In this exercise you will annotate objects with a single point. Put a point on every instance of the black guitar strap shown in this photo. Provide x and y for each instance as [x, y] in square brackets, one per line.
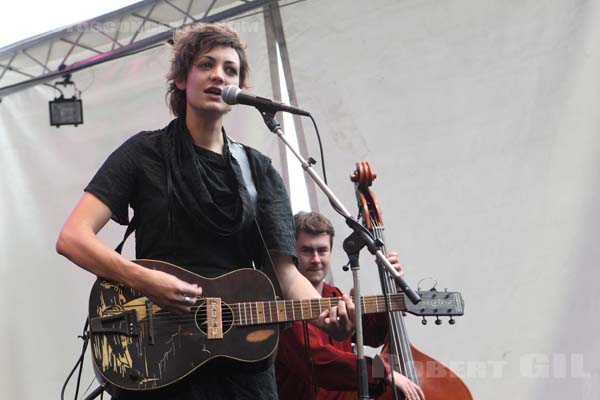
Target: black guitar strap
[239, 153]
[130, 228]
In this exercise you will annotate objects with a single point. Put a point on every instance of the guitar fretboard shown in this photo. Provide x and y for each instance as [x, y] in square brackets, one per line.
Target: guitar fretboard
[266, 312]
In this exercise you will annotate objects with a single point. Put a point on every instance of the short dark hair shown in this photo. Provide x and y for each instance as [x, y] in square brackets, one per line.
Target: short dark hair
[187, 44]
[313, 223]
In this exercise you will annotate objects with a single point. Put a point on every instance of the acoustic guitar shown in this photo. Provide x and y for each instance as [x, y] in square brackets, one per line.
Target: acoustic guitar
[136, 345]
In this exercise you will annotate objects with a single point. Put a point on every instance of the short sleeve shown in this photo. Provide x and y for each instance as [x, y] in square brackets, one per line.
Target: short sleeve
[274, 210]
[114, 183]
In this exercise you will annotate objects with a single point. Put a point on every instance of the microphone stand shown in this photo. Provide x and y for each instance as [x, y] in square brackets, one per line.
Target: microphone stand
[359, 238]
[352, 246]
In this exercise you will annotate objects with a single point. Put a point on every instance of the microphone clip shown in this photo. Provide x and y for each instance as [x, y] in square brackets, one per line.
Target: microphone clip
[270, 121]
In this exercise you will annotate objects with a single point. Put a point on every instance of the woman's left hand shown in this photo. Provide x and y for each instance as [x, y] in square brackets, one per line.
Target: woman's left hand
[338, 321]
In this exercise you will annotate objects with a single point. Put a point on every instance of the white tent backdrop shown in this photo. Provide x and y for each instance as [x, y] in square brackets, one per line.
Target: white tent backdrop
[479, 118]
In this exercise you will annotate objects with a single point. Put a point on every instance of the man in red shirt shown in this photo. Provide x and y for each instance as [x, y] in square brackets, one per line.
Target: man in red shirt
[328, 370]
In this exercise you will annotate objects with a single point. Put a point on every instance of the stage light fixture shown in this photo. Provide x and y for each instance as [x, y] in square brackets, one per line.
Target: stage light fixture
[66, 111]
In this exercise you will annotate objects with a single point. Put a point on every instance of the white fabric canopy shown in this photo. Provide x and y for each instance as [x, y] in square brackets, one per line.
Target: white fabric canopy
[479, 118]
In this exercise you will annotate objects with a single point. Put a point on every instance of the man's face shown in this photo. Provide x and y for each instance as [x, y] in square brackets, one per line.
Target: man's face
[314, 255]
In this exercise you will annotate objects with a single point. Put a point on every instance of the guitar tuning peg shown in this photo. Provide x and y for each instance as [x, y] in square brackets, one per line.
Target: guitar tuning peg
[438, 321]
[452, 321]
[424, 321]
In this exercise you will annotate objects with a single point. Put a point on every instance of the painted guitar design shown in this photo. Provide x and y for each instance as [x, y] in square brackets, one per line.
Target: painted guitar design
[138, 346]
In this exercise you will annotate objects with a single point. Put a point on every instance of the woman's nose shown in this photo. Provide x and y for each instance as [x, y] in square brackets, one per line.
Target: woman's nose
[217, 74]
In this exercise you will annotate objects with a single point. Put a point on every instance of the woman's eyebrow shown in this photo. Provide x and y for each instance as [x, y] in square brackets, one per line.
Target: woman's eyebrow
[211, 58]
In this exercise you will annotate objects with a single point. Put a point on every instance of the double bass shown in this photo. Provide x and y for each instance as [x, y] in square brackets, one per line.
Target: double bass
[437, 381]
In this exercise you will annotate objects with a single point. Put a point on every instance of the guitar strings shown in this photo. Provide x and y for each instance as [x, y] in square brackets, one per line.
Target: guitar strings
[377, 303]
[163, 324]
[294, 309]
[373, 301]
[227, 316]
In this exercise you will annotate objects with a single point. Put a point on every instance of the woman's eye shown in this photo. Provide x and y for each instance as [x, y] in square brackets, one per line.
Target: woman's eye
[232, 71]
[204, 65]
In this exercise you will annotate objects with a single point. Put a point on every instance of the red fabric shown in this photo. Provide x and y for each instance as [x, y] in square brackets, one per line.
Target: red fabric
[334, 363]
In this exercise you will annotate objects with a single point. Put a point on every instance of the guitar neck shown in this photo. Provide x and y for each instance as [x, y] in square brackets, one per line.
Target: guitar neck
[268, 312]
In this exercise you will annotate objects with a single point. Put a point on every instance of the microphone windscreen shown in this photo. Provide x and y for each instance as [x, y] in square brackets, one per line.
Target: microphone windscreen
[229, 94]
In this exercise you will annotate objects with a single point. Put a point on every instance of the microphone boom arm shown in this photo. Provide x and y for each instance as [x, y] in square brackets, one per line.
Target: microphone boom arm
[273, 125]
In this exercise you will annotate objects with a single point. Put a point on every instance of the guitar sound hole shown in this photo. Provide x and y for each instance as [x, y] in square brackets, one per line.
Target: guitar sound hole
[226, 316]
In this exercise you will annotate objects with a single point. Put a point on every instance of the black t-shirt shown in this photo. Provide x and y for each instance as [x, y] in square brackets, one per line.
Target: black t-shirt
[135, 175]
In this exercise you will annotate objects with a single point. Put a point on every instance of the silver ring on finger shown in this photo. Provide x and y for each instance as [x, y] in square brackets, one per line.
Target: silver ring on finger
[187, 299]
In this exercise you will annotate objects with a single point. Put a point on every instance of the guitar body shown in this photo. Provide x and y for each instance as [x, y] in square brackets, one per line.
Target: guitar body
[138, 346]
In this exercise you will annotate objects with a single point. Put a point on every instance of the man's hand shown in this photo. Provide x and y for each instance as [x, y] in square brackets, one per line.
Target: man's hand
[392, 257]
[411, 390]
[338, 322]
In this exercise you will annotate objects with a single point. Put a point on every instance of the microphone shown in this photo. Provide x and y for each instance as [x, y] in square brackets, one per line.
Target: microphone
[232, 95]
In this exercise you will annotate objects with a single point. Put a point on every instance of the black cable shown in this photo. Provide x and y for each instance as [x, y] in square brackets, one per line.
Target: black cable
[55, 88]
[322, 155]
[84, 348]
[320, 149]
[309, 360]
[79, 363]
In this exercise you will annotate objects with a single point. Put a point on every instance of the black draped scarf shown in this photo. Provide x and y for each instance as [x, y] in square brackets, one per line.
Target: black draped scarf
[191, 182]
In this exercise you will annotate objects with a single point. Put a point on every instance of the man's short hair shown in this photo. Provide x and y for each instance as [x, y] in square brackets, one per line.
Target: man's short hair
[187, 44]
[313, 223]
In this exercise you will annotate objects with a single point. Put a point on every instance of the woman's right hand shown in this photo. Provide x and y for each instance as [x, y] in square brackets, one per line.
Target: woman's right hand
[167, 291]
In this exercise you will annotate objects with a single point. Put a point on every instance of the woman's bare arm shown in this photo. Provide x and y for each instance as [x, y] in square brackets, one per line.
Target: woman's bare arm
[79, 243]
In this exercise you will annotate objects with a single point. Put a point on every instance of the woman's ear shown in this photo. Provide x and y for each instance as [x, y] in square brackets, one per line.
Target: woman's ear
[180, 84]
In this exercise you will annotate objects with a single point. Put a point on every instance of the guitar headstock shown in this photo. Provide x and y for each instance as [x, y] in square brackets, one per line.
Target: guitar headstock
[436, 304]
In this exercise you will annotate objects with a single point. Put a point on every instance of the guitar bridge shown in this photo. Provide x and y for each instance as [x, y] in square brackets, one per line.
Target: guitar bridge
[123, 323]
[214, 321]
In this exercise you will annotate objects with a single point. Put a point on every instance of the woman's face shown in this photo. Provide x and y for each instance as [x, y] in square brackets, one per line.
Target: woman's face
[210, 72]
